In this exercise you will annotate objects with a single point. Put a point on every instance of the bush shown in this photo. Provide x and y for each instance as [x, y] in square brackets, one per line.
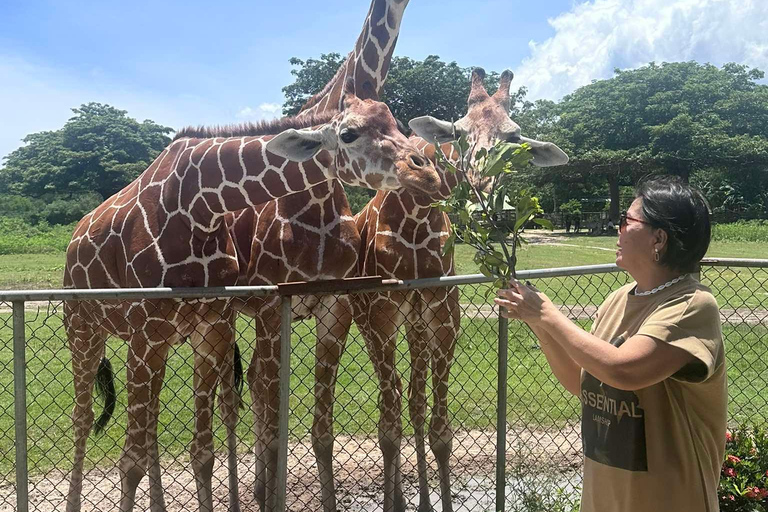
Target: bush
[741, 231]
[744, 478]
[52, 210]
[20, 237]
[572, 207]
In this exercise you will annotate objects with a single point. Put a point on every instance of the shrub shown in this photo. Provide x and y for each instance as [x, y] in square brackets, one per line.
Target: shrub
[741, 231]
[20, 237]
[744, 478]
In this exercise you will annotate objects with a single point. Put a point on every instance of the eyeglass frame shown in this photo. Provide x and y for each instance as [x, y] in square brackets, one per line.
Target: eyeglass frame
[624, 217]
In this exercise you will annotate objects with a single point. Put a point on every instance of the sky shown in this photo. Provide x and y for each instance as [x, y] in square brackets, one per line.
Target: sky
[189, 62]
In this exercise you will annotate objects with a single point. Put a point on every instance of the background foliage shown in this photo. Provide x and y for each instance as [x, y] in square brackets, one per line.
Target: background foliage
[705, 123]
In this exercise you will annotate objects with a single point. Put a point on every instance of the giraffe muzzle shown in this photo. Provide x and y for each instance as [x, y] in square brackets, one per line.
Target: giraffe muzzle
[419, 175]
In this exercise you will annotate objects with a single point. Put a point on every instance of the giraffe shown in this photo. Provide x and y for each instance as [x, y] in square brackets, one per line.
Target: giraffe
[167, 229]
[305, 237]
[402, 238]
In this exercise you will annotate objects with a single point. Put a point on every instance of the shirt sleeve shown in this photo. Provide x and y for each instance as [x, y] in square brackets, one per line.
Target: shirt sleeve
[691, 323]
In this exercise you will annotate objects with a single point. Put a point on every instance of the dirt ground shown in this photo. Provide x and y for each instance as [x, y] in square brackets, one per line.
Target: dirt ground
[358, 475]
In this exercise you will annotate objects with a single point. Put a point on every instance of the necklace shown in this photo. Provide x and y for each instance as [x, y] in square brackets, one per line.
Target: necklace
[659, 288]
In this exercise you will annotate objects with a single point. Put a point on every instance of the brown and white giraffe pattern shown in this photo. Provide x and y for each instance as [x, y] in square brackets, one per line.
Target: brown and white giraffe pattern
[166, 229]
[306, 237]
[403, 238]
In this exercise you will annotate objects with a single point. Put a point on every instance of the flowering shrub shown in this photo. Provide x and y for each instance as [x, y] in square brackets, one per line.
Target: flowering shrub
[744, 478]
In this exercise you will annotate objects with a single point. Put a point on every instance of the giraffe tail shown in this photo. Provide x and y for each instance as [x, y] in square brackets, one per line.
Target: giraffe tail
[105, 386]
[239, 374]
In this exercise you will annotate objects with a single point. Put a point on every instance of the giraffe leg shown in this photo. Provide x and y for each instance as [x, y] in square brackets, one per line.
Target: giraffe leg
[87, 349]
[211, 349]
[264, 384]
[377, 324]
[229, 402]
[156, 495]
[444, 321]
[334, 319]
[417, 405]
[146, 367]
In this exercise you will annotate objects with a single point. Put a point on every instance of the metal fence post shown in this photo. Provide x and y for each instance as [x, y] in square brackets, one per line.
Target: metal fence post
[501, 415]
[20, 406]
[285, 392]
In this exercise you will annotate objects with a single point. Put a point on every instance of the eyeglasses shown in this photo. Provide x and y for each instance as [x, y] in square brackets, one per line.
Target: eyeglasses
[624, 219]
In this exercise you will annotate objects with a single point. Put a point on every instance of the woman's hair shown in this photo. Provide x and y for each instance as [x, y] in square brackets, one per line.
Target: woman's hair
[682, 211]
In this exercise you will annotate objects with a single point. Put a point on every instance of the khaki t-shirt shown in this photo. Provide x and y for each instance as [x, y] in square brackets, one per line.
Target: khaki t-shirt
[659, 448]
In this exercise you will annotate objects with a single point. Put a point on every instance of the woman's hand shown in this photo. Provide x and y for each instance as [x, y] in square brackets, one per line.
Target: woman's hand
[522, 302]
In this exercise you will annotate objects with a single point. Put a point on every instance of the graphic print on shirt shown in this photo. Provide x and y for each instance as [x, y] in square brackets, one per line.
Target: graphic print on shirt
[612, 424]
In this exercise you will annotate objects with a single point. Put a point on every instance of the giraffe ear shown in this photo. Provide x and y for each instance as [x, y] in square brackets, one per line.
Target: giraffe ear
[301, 145]
[433, 129]
[545, 154]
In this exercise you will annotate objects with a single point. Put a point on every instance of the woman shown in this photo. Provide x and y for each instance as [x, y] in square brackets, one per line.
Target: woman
[651, 374]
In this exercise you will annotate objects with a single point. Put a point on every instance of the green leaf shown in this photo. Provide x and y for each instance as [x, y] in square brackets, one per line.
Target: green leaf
[545, 223]
[449, 244]
[521, 222]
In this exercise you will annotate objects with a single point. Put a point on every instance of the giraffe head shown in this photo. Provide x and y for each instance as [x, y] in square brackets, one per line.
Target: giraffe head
[486, 123]
[367, 148]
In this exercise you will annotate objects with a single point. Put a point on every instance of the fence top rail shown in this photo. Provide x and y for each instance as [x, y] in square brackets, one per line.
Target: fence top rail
[359, 286]
[137, 293]
[734, 262]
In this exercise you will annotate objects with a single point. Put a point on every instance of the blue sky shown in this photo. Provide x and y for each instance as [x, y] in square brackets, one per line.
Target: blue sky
[193, 62]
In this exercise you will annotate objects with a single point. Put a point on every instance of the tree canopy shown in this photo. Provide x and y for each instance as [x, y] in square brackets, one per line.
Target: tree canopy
[413, 88]
[680, 118]
[100, 149]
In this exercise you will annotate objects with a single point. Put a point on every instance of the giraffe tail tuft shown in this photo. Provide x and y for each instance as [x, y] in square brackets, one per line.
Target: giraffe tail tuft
[105, 386]
[238, 377]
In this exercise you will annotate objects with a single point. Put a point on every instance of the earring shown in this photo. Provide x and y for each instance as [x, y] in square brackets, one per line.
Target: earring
[656, 256]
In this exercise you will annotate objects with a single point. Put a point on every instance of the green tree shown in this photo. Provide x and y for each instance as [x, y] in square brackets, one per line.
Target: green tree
[679, 118]
[99, 150]
[413, 88]
[311, 76]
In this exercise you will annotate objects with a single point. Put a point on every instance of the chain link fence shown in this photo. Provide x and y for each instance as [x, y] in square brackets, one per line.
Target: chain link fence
[532, 464]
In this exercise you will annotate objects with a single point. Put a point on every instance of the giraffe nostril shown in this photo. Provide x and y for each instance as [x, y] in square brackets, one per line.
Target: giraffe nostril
[417, 160]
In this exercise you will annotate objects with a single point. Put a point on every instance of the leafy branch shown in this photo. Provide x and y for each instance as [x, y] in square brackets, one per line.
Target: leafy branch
[479, 211]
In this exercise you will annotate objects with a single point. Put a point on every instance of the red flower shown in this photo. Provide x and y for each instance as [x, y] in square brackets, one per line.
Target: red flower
[754, 493]
[730, 472]
[733, 459]
[728, 437]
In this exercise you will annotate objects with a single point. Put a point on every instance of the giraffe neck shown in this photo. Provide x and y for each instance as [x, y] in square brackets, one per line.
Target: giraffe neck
[369, 62]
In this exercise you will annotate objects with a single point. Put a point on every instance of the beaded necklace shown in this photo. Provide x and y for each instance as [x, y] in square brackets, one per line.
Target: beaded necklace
[659, 288]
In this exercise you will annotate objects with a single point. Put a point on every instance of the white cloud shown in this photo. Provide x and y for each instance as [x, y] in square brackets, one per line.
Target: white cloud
[263, 111]
[597, 36]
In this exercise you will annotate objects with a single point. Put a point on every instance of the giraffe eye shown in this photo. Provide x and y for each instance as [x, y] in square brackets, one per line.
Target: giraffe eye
[348, 136]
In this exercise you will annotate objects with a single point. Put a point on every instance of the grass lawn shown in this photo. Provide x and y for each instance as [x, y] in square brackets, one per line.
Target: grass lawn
[31, 271]
[534, 398]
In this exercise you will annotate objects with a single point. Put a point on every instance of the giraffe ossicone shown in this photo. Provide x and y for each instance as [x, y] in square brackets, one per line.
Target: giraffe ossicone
[486, 123]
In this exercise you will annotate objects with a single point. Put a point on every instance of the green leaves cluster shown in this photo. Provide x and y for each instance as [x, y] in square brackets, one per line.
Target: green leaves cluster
[479, 211]
[99, 150]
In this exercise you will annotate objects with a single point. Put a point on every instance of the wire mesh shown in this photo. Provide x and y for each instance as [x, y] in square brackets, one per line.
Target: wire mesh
[543, 448]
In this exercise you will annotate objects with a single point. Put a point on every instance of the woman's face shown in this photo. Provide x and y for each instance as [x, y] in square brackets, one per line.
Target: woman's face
[636, 240]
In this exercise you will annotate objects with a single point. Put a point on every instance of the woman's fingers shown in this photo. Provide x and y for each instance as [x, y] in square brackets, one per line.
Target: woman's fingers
[510, 294]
